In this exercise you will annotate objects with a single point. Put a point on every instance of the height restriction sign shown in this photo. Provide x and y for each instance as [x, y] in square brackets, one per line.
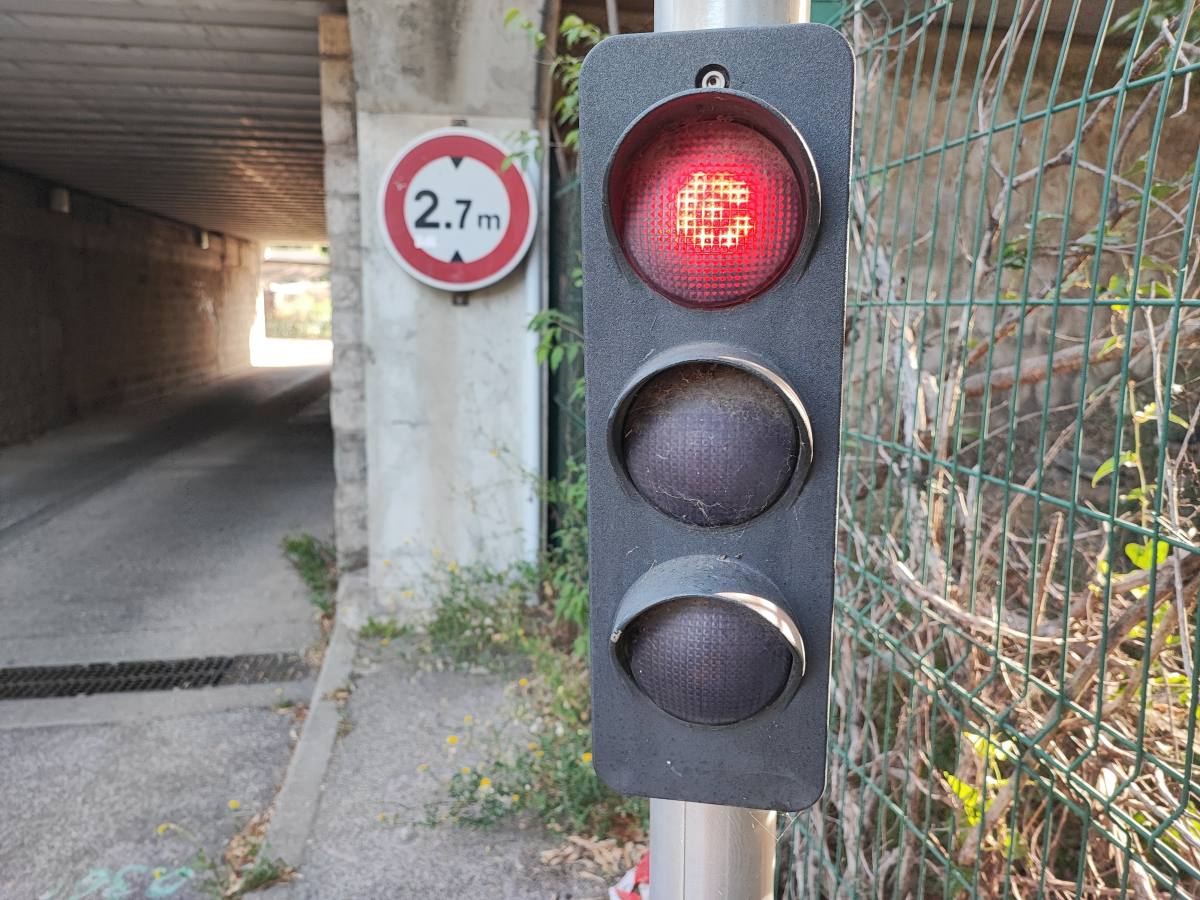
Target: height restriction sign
[454, 215]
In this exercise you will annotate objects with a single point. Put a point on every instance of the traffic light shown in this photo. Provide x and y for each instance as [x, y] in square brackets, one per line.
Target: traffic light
[715, 177]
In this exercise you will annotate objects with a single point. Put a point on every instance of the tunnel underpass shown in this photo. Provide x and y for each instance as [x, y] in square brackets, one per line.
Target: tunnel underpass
[149, 152]
[152, 633]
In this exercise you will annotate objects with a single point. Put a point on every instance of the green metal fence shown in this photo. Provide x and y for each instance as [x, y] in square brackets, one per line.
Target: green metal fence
[1014, 702]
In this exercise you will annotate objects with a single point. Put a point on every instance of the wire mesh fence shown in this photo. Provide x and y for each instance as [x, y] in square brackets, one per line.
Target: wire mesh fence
[1014, 701]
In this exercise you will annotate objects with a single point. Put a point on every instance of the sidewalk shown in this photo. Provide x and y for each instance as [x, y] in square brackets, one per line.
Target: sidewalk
[370, 838]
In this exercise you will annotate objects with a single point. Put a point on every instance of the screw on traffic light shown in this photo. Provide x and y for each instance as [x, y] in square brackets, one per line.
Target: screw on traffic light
[715, 178]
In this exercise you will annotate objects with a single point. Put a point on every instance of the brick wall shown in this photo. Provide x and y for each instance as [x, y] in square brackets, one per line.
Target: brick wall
[108, 305]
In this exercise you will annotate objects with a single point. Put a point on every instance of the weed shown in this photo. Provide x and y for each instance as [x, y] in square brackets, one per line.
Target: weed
[316, 563]
[480, 615]
[384, 629]
[489, 618]
[240, 869]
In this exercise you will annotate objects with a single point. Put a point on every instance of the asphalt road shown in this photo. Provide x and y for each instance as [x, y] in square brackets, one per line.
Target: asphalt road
[154, 533]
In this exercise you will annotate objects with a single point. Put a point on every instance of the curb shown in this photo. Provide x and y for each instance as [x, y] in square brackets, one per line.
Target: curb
[299, 796]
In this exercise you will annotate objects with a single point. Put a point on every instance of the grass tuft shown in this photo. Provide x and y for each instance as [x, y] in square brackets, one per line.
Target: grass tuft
[315, 562]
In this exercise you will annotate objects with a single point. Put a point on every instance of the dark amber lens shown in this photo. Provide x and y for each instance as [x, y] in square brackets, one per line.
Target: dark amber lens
[709, 444]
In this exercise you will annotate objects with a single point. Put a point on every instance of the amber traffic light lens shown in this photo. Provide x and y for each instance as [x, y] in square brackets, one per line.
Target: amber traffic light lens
[709, 443]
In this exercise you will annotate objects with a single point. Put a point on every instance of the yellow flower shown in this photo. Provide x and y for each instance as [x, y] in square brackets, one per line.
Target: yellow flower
[468, 719]
[382, 817]
[485, 782]
[452, 740]
[158, 873]
[531, 745]
[523, 682]
[539, 753]
[515, 798]
[164, 828]
[587, 757]
[466, 770]
[452, 568]
[383, 642]
[423, 767]
[387, 562]
[406, 593]
[234, 805]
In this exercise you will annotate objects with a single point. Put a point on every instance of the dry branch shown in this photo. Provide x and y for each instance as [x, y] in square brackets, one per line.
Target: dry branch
[1037, 368]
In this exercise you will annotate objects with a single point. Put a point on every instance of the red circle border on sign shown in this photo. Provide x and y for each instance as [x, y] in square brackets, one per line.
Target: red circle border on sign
[457, 275]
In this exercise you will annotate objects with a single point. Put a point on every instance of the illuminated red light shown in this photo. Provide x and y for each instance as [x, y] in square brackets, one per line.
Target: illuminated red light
[712, 212]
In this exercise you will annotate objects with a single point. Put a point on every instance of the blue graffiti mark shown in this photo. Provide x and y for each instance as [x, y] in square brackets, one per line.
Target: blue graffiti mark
[102, 884]
[169, 883]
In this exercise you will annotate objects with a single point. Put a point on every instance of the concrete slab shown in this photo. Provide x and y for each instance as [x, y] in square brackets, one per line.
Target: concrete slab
[400, 716]
[99, 709]
[79, 804]
[177, 553]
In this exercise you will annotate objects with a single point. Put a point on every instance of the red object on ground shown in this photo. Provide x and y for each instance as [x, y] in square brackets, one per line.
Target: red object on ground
[635, 884]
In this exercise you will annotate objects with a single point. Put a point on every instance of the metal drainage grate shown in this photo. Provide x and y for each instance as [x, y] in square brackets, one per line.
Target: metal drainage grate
[30, 682]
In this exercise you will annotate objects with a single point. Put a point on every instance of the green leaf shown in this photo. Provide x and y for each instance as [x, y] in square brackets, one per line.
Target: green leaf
[1140, 554]
[1179, 420]
[969, 797]
[1139, 494]
[511, 15]
[1128, 458]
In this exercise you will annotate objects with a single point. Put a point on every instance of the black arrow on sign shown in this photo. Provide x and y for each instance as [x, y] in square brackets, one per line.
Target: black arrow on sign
[456, 160]
[457, 257]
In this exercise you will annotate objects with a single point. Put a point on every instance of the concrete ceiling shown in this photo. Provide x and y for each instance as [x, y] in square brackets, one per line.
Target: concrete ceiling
[204, 111]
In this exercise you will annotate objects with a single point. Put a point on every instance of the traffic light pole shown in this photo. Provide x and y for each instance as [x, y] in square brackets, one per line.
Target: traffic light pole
[698, 850]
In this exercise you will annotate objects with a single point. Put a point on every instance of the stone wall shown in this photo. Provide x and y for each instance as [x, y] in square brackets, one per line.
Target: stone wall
[347, 400]
[105, 305]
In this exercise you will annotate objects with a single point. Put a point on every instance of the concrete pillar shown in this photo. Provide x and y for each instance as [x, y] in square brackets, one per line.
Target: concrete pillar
[451, 391]
[348, 392]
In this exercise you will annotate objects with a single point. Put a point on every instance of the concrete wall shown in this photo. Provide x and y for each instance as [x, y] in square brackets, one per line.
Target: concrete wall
[452, 392]
[108, 305]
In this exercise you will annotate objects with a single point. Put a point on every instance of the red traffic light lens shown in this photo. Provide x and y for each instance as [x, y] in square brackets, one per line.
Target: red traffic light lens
[710, 444]
[707, 206]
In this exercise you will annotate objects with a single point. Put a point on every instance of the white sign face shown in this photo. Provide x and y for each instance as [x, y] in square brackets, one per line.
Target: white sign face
[456, 210]
[454, 214]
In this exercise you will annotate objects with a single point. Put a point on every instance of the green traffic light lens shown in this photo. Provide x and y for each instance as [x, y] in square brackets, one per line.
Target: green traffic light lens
[707, 661]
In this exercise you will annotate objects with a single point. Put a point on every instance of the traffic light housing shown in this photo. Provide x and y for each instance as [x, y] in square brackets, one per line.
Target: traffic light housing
[715, 175]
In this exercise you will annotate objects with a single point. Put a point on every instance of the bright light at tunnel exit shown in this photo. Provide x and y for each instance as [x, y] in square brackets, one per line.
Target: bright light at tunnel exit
[711, 210]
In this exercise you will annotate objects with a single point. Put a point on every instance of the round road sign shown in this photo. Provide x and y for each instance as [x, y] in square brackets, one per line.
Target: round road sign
[454, 216]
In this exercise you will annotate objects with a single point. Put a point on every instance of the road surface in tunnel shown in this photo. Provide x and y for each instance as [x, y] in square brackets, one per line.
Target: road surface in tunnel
[154, 533]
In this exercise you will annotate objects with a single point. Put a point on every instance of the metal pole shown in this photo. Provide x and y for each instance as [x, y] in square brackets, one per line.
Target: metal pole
[689, 15]
[699, 851]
